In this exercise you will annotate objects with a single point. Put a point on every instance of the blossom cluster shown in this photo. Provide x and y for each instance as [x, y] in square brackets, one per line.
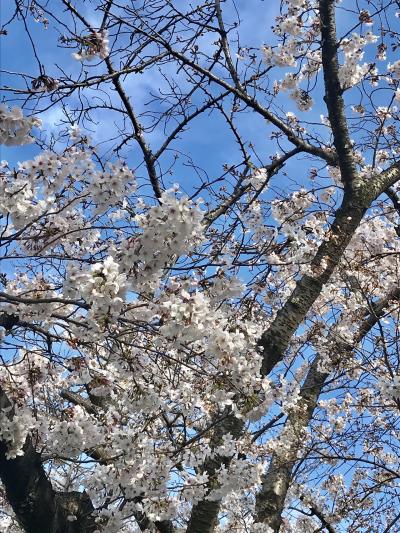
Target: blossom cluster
[140, 323]
[102, 287]
[14, 428]
[166, 232]
[352, 72]
[258, 179]
[93, 45]
[14, 127]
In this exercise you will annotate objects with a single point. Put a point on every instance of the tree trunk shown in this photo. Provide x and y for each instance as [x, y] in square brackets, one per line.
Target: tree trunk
[37, 507]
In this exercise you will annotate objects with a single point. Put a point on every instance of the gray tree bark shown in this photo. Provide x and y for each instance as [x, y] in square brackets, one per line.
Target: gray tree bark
[37, 507]
[271, 498]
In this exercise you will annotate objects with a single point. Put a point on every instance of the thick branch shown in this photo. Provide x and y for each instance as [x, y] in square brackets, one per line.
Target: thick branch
[204, 515]
[77, 399]
[321, 517]
[271, 498]
[8, 321]
[333, 93]
[275, 340]
[38, 508]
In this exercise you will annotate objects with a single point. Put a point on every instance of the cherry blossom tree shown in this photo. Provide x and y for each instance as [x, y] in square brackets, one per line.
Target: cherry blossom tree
[200, 275]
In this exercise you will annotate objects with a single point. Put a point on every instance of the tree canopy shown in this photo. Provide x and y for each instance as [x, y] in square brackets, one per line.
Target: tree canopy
[200, 275]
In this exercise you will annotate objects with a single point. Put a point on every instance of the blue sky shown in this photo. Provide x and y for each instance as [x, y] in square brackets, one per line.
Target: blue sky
[205, 138]
[208, 143]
